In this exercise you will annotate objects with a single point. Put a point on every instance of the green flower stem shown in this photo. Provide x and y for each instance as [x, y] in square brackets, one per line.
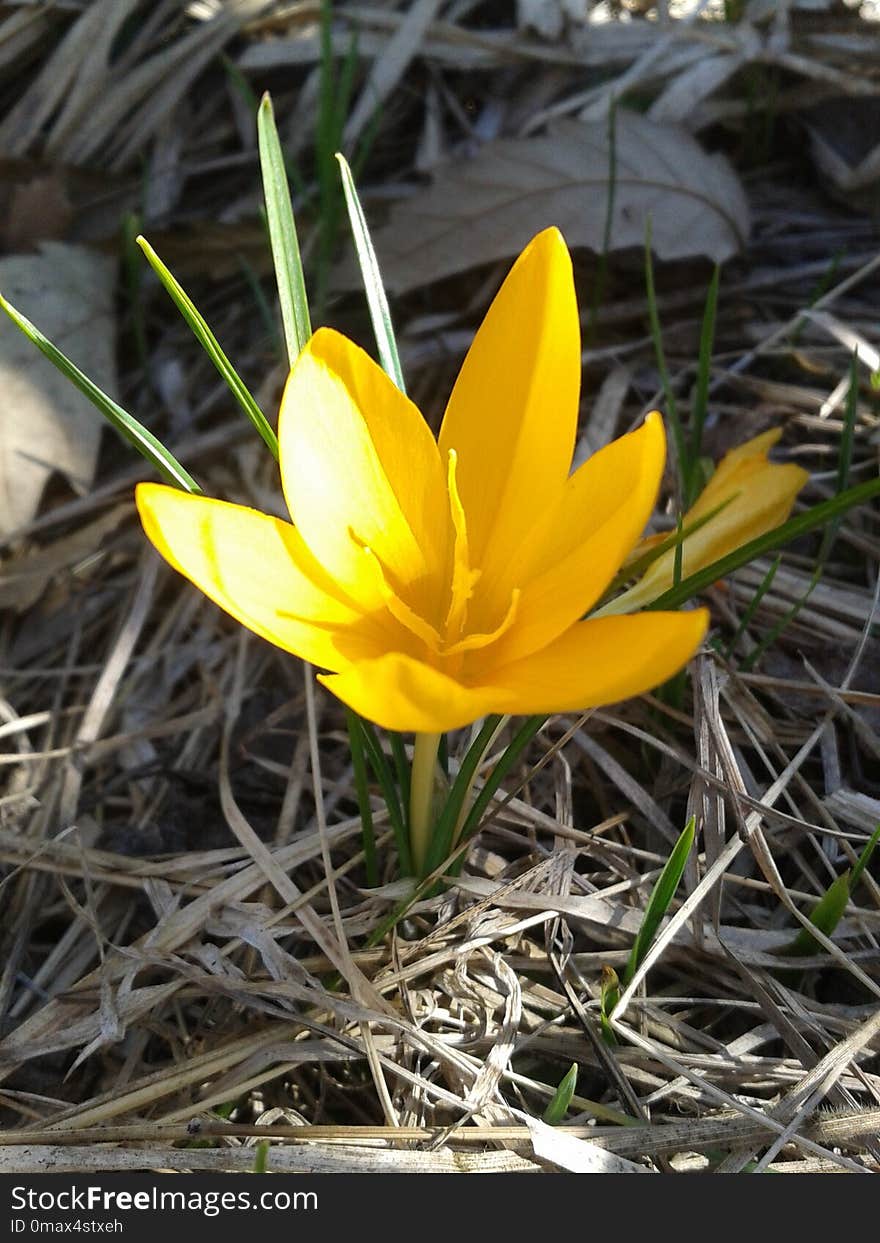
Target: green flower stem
[467, 801]
[421, 797]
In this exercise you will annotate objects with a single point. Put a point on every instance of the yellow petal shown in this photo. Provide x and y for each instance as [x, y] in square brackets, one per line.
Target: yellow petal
[600, 662]
[757, 495]
[752, 452]
[513, 411]
[360, 468]
[593, 663]
[575, 553]
[403, 694]
[257, 568]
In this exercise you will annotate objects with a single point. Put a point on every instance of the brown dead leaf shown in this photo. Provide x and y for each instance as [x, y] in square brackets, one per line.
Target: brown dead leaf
[45, 424]
[23, 579]
[488, 207]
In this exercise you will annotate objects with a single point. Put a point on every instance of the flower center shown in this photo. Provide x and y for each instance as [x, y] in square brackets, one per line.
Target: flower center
[450, 639]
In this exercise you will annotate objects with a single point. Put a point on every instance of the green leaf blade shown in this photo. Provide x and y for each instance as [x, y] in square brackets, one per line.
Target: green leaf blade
[561, 1099]
[282, 234]
[662, 895]
[802, 524]
[209, 343]
[826, 915]
[377, 300]
[125, 424]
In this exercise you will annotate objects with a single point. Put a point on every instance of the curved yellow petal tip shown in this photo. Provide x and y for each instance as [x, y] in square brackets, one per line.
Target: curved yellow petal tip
[324, 342]
[548, 246]
[403, 694]
[655, 429]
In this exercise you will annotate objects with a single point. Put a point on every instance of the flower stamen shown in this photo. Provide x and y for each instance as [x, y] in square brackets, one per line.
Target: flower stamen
[464, 578]
[398, 608]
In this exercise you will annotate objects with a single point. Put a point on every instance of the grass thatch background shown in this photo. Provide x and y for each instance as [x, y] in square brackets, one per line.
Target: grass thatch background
[165, 989]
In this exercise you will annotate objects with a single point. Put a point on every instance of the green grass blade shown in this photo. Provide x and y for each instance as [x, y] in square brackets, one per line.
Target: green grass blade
[826, 916]
[676, 560]
[401, 765]
[327, 130]
[561, 1099]
[749, 663]
[602, 265]
[609, 996]
[828, 911]
[264, 310]
[521, 739]
[444, 830]
[128, 427]
[701, 391]
[359, 764]
[864, 858]
[763, 587]
[658, 904]
[666, 384]
[637, 568]
[345, 85]
[844, 461]
[382, 770]
[209, 343]
[282, 234]
[802, 524]
[377, 301]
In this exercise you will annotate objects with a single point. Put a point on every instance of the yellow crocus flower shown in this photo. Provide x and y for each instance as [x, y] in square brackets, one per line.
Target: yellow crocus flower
[439, 581]
[746, 496]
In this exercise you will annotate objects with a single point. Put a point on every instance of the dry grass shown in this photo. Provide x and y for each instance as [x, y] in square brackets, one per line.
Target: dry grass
[176, 980]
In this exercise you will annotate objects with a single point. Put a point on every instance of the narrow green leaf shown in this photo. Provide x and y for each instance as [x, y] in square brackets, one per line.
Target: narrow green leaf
[265, 311]
[635, 569]
[666, 384]
[864, 858]
[377, 301]
[561, 1099]
[676, 560]
[282, 234]
[825, 916]
[602, 266]
[784, 622]
[701, 392]
[261, 1157]
[609, 996]
[345, 85]
[359, 764]
[763, 588]
[662, 895]
[209, 343]
[444, 830]
[521, 739]
[127, 426]
[384, 777]
[801, 524]
[240, 84]
[327, 131]
[828, 911]
[401, 765]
